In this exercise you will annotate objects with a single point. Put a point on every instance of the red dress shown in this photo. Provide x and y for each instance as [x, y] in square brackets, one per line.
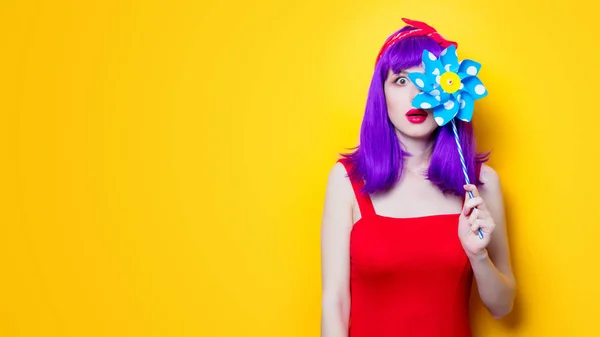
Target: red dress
[408, 276]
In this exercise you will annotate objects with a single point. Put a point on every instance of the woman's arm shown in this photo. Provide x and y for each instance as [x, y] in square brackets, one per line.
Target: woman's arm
[335, 261]
[492, 269]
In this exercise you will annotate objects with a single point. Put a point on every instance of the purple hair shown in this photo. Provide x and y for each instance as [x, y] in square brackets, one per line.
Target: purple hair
[379, 159]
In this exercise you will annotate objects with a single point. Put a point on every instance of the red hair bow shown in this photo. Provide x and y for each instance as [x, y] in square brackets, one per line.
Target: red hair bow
[422, 29]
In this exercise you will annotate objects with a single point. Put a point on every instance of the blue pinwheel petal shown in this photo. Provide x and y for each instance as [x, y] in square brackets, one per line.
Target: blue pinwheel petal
[439, 94]
[466, 106]
[424, 100]
[433, 66]
[475, 88]
[444, 113]
[445, 96]
[469, 68]
[421, 80]
[436, 93]
[457, 95]
[450, 59]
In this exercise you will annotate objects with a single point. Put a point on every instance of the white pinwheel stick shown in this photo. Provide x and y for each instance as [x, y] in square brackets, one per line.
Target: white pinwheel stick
[464, 167]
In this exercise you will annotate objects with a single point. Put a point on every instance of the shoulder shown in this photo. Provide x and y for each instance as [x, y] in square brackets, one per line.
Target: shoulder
[488, 175]
[338, 181]
[491, 190]
[337, 212]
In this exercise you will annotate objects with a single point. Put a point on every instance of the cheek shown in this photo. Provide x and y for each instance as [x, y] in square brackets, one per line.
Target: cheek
[397, 102]
[397, 113]
[397, 109]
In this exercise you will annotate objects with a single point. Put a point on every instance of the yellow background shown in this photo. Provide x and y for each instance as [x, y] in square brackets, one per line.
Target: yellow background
[164, 163]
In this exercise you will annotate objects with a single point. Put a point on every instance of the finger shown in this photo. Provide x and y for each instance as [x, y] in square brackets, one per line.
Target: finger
[483, 214]
[478, 201]
[472, 203]
[467, 210]
[478, 223]
[473, 189]
[480, 213]
[473, 217]
[486, 225]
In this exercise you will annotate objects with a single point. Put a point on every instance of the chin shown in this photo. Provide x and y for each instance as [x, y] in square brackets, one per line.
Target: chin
[417, 132]
[423, 136]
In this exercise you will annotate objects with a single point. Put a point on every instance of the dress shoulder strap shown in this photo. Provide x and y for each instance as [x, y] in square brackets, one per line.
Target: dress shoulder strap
[364, 200]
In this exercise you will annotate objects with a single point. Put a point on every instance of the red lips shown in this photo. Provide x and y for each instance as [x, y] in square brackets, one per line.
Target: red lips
[416, 116]
[416, 112]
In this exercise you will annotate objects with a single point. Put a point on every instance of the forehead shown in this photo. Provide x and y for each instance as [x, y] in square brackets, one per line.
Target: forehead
[419, 69]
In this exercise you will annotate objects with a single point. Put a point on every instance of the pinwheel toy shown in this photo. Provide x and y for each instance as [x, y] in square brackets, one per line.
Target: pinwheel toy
[450, 88]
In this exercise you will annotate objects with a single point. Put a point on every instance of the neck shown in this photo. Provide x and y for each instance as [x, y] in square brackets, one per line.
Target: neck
[420, 152]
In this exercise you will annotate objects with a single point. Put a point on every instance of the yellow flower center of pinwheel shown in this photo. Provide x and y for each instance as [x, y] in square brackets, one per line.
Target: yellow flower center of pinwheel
[450, 82]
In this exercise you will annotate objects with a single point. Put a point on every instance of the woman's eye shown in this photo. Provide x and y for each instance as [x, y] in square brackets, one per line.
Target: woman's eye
[402, 80]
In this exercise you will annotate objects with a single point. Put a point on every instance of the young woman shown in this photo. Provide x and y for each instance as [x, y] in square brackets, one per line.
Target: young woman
[399, 240]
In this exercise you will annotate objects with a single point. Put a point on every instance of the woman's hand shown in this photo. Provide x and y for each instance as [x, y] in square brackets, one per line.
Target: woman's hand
[475, 216]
